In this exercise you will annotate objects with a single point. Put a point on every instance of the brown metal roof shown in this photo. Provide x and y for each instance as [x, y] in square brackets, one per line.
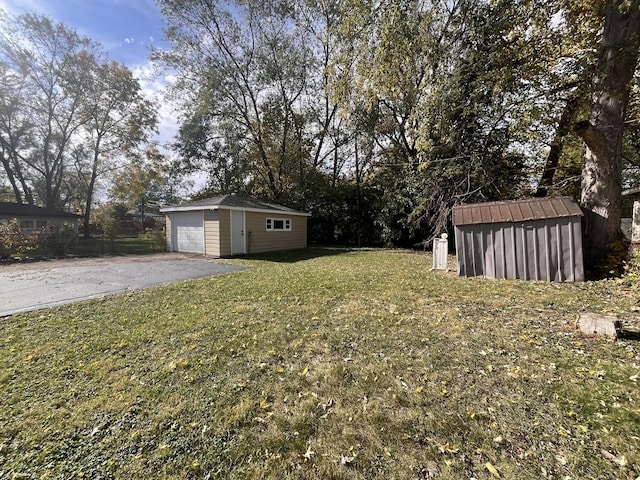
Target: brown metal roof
[516, 211]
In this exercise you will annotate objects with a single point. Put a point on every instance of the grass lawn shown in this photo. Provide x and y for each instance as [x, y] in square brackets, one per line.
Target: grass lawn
[349, 365]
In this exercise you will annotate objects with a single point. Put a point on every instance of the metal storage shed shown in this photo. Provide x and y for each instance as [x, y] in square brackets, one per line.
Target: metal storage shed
[534, 239]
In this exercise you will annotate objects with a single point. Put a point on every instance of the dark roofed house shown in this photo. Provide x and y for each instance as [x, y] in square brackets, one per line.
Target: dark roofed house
[230, 225]
[533, 239]
[32, 218]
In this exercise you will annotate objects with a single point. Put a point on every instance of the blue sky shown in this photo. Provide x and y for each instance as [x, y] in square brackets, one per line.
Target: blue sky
[125, 28]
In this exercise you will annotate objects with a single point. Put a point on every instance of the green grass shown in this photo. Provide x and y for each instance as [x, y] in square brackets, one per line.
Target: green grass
[349, 365]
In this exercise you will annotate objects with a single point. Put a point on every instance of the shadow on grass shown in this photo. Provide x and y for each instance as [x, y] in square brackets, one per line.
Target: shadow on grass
[629, 335]
[293, 256]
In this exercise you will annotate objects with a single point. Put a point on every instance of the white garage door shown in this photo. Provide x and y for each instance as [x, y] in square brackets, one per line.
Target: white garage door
[188, 232]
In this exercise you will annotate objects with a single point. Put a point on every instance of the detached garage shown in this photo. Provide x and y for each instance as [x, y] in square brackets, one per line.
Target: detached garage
[229, 225]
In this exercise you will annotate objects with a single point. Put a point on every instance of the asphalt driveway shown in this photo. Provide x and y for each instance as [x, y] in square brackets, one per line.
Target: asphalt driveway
[25, 287]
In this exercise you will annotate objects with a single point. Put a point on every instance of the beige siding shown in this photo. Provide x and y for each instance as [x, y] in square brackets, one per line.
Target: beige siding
[212, 233]
[262, 240]
[168, 233]
[217, 233]
[225, 232]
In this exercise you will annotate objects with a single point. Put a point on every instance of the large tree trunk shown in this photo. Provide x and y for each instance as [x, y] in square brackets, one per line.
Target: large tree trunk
[602, 131]
[12, 180]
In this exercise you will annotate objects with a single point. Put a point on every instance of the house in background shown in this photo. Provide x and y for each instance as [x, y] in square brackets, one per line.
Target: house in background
[534, 239]
[32, 218]
[631, 226]
[230, 225]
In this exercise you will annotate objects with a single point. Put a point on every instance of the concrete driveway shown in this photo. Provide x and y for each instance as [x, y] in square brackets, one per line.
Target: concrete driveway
[32, 286]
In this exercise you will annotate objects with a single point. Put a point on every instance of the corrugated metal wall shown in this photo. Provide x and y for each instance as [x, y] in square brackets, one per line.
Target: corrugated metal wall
[548, 250]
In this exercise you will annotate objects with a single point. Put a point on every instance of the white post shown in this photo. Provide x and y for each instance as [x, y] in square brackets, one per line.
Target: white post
[440, 253]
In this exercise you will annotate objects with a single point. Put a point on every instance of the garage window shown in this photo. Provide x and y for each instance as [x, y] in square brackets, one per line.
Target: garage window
[278, 224]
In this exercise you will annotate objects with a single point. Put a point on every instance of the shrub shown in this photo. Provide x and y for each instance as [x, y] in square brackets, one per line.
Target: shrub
[58, 239]
[14, 242]
[158, 238]
[103, 217]
[632, 268]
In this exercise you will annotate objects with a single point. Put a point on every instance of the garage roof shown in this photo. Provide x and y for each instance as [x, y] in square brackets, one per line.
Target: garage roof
[232, 202]
[516, 211]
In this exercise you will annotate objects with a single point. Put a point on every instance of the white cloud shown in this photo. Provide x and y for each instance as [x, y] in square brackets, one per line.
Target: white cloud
[129, 40]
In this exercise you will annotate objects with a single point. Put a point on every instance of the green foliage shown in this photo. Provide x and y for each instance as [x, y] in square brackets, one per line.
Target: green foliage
[51, 62]
[104, 217]
[328, 363]
[144, 183]
[67, 113]
[381, 115]
[455, 95]
[632, 268]
[246, 123]
[58, 239]
[343, 214]
[14, 242]
[158, 238]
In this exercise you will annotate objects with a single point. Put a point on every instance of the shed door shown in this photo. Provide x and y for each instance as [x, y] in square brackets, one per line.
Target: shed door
[237, 233]
[188, 232]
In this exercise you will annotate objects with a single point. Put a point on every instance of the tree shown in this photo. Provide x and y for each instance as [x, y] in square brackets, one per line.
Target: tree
[400, 108]
[235, 61]
[119, 119]
[14, 134]
[256, 114]
[143, 184]
[448, 82]
[48, 62]
[602, 132]
[631, 144]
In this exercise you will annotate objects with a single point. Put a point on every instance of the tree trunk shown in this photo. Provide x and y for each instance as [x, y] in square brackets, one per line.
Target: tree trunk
[602, 132]
[553, 159]
[9, 172]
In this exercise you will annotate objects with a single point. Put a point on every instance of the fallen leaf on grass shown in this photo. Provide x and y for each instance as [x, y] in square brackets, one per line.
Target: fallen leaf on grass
[621, 460]
[344, 460]
[489, 466]
[447, 448]
[308, 454]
